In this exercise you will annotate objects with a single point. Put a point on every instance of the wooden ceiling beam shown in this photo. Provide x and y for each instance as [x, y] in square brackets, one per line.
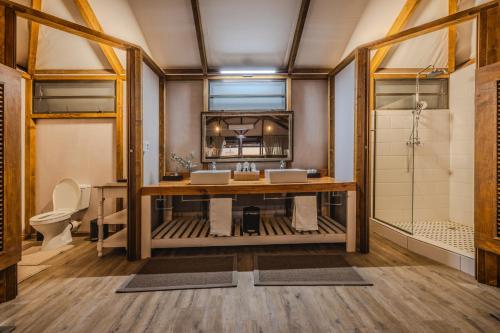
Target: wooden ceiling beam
[452, 37]
[299, 28]
[397, 26]
[34, 29]
[92, 21]
[195, 6]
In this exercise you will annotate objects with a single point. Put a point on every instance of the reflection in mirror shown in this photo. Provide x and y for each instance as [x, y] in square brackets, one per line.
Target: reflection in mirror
[255, 136]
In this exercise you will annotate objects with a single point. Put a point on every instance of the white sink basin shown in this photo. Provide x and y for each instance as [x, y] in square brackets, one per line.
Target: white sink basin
[210, 177]
[279, 176]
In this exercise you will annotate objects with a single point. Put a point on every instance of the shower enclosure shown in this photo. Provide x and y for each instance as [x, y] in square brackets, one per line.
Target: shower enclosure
[412, 171]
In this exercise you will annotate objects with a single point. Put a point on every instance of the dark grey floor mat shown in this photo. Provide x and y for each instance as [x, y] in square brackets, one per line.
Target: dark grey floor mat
[171, 273]
[305, 270]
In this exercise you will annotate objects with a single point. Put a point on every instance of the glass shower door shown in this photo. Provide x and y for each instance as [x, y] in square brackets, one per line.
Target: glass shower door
[393, 165]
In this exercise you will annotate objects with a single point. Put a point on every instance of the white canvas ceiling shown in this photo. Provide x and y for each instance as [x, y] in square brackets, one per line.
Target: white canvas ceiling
[169, 30]
[248, 33]
[327, 31]
[242, 33]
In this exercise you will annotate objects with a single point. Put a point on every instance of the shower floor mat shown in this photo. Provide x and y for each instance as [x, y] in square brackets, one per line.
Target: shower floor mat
[448, 234]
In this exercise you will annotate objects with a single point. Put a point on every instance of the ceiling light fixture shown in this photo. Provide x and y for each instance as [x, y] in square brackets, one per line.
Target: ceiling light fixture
[247, 71]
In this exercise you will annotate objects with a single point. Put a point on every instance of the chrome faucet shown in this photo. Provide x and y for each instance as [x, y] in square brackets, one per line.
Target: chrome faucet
[214, 166]
[282, 164]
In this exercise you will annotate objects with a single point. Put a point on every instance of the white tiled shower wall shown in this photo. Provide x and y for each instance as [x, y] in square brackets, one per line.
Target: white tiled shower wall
[444, 162]
[395, 161]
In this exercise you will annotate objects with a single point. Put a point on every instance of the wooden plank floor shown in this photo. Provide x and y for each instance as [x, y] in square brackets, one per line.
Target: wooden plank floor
[410, 294]
[195, 232]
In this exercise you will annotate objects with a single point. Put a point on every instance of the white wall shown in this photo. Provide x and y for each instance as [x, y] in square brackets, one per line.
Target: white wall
[150, 125]
[462, 146]
[310, 103]
[344, 100]
[83, 149]
[184, 104]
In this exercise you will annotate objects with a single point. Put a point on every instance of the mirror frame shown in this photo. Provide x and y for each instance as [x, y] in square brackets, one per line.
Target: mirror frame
[244, 114]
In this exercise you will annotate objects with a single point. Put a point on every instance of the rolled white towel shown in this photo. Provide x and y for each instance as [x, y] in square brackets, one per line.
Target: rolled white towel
[221, 216]
[305, 214]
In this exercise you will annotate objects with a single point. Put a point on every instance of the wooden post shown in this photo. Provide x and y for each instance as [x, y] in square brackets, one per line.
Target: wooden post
[488, 43]
[8, 35]
[361, 163]
[135, 162]
[351, 222]
[10, 147]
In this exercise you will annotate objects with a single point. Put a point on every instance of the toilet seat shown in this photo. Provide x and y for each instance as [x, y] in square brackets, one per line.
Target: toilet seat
[51, 217]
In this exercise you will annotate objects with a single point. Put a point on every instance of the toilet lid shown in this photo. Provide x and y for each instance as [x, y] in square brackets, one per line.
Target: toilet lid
[66, 194]
[51, 217]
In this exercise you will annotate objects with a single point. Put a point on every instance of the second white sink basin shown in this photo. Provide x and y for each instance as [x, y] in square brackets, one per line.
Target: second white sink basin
[210, 177]
[280, 176]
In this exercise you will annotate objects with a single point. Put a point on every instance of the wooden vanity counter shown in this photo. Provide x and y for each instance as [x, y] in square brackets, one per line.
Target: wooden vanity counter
[184, 187]
[195, 231]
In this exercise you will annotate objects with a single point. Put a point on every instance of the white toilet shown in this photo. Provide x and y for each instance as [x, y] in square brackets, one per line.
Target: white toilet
[68, 197]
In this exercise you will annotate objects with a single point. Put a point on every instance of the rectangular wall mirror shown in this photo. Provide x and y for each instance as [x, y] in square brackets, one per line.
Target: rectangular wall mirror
[247, 136]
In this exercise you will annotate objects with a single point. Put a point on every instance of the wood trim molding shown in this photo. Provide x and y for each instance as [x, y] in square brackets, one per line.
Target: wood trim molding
[29, 160]
[299, 28]
[92, 21]
[331, 126]
[81, 115]
[47, 77]
[399, 23]
[161, 123]
[195, 6]
[135, 159]
[74, 72]
[34, 29]
[452, 37]
[119, 129]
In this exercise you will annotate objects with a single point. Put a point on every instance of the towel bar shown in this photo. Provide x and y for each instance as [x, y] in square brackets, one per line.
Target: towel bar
[204, 200]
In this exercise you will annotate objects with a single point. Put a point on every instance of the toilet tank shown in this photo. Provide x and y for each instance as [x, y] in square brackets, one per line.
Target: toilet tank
[84, 197]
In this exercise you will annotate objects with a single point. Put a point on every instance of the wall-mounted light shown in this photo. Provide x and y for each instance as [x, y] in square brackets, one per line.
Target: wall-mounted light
[269, 128]
[217, 129]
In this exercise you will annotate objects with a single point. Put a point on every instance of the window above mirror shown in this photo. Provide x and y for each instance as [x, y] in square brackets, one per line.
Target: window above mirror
[247, 95]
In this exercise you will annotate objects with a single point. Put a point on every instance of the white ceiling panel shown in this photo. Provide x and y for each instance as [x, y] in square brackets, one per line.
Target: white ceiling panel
[169, 29]
[244, 33]
[329, 26]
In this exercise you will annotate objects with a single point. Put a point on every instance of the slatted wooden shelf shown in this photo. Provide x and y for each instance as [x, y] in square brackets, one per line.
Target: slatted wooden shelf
[195, 232]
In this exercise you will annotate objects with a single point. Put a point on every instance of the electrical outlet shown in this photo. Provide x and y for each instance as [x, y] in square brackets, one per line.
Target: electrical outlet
[147, 146]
